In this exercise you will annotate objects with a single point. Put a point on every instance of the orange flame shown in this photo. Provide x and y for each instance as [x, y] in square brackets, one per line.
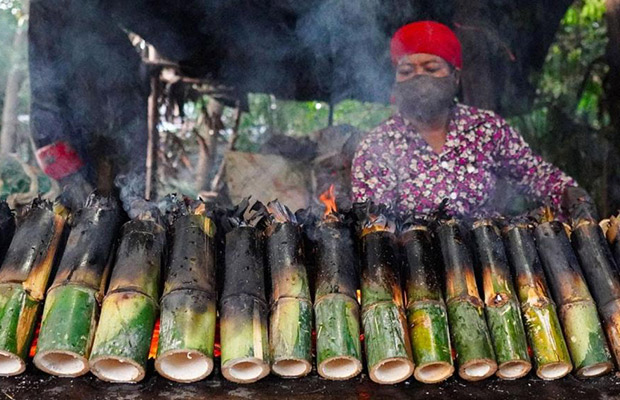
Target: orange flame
[329, 199]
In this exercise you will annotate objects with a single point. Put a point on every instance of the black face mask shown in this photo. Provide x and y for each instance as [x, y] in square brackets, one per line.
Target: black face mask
[423, 98]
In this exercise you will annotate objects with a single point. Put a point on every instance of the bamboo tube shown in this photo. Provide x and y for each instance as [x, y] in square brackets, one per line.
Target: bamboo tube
[188, 309]
[468, 328]
[23, 277]
[243, 308]
[582, 329]
[123, 336]
[601, 273]
[612, 228]
[336, 310]
[72, 306]
[501, 305]
[426, 309]
[539, 312]
[7, 228]
[290, 323]
[386, 338]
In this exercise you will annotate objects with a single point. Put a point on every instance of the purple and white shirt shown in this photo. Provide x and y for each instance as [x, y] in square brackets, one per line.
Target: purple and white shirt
[394, 165]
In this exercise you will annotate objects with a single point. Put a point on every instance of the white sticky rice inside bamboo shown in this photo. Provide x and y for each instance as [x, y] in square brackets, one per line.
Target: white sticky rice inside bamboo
[291, 368]
[553, 371]
[10, 364]
[117, 370]
[475, 370]
[391, 371]
[434, 372]
[340, 368]
[61, 363]
[594, 370]
[245, 370]
[514, 369]
[184, 365]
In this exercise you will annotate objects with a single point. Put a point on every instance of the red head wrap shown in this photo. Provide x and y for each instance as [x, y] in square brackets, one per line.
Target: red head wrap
[426, 37]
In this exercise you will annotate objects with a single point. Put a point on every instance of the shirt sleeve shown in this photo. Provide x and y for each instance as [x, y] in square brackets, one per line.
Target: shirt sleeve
[372, 174]
[515, 160]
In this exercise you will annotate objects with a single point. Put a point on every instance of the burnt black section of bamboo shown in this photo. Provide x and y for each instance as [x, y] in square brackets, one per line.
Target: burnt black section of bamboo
[245, 272]
[335, 256]
[88, 248]
[285, 261]
[7, 228]
[192, 262]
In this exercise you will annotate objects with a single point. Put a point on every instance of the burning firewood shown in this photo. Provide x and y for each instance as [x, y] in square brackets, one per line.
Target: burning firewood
[468, 328]
[243, 304]
[426, 309]
[72, 303]
[501, 305]
[23, 278]
[578, 313]
[290, 323]
[539, 311]
[336, 309]
[188, 304]
[601, 273]
[129, 309]
[386, 338]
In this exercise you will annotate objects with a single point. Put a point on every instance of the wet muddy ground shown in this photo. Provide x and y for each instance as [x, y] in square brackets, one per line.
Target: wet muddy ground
[36, 385]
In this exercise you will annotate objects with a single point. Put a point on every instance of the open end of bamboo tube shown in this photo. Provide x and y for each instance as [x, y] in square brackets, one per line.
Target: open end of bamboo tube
[594, 370]
[553, 371]
[476, 370]
[514, 369]
[184, 366]
[61, 363]
[245, 370]
[434, 372]
[117, 370]
[392, 371]
[340, 368]
[291, 368]
[10, 364]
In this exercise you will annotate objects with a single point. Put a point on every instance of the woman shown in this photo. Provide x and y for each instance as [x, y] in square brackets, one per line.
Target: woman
[434, 148]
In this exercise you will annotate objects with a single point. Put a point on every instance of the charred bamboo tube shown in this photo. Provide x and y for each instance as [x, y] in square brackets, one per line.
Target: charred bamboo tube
[426, 310]
[386, 339]
[72, 306]
[612, 228]
[188, 304]
[123, 336]
[243, 309]
[336, 310]
[468, 328]
[290, 323]
[541, 319]
[501, 305]
[601, 273]
[582, 328]
[23, 278]
[7, 228]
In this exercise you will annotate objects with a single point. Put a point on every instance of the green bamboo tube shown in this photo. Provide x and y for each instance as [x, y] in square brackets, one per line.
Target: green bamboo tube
[336, 310]
[601, 273]
[290, 321]
[386, 338]
[582, 329]
[18, 314]
[468, 329]
[426, 310]
[129, 310]
[502, 306]
[23, 278]
[188, 304]
[243, 309]
[123, 338]
[71, 308]
[539, 312]
[186, 335]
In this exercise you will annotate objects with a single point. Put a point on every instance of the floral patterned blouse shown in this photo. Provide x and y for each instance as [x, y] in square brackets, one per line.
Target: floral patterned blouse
[394, 165]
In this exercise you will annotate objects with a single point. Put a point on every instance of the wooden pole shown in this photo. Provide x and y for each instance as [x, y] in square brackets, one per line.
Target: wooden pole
[153, 139]
[216, 182]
